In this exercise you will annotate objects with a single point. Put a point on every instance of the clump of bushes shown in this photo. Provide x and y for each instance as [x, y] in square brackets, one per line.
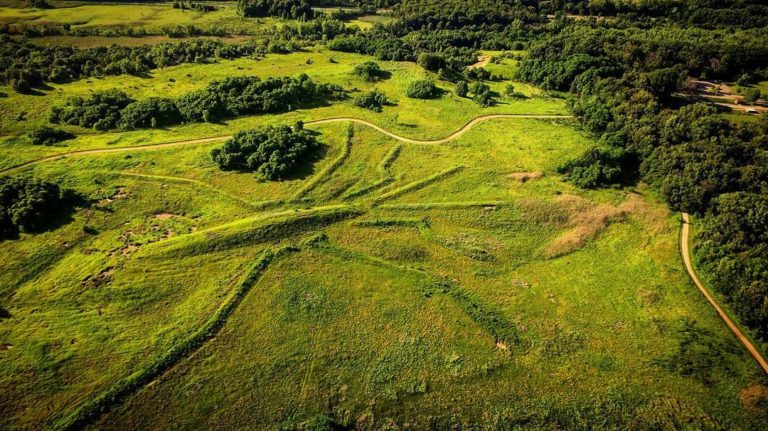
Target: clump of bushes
[49, 135]
[152, 112]
[482, 94]
[272, 153]
[370, 71]
[230, 97]
[431, 62]
[28, 205]
[462, 88]
[286, 9]
[373, 100]
[422, 89]
[597, 167]
[248, 95]
[100, 111]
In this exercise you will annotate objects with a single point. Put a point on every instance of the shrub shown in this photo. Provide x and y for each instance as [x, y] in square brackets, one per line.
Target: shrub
[28, 205]
[374, 101]
[272, 152]
[431, 62]
[293, 9]
[48, 136]
[422, 90]
[751, 95]
[100, 111]
[597, 167]
[462, 89]
[370, 71]
[152, 112]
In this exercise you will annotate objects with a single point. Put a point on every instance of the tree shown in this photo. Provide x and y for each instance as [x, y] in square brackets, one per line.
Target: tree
[152, 112]
[29, 205]
[431, 62]
[510, 90]
[272, 153]
[369, 70]
[422, 89]
[373, 100]
[48, 136]
[751, 95]
[462, 88]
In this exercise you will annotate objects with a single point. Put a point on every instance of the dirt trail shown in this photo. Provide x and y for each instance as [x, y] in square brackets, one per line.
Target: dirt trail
[482, 61]
[685, 251]
[452, 136]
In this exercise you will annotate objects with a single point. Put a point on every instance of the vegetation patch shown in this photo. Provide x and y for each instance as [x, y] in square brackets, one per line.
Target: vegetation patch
[273, 153]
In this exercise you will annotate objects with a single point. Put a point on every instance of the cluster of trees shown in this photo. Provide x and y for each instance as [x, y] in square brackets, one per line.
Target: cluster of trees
[200, 7]
[29, 205]
[422, 89]
[453, 14]
[373, 100]
[230, 97]
[49, 135]
[101, 111]
[703, 13]
[286, 9]
[24, 65]
[249, 95]
[622, 81]
[370, 71]
[273, 153]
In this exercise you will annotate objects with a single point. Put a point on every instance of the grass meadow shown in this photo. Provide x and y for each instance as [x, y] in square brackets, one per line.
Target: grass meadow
[415, 286]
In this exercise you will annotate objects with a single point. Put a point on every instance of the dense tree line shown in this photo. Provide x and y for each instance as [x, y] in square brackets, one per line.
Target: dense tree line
[273, 153]
[287, 9]
[702, 13]
[25, 65]
[29, 205]
[623, 81]
[230, 97]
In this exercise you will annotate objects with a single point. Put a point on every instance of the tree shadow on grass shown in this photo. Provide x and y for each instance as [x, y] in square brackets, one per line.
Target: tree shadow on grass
[309, 167]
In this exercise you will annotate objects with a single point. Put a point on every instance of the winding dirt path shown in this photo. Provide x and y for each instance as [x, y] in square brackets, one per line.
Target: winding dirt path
[464, 129]
[686, 253]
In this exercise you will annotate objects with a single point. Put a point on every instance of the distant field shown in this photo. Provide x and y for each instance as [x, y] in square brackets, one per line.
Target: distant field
[148, 16]
[429, 286]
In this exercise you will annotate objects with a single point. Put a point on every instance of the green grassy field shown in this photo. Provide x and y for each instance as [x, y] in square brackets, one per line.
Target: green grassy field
[386, 285]
[150, 17]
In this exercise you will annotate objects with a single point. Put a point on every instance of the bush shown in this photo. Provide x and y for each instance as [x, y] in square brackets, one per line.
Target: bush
[100, 111]
[28, 205]
[48, 136]
[751, 95]
[462, 89]
[431, 62]
[422, 90]
[272, 152]
[370, 71]
[374, 101]
[152, 112]
[286, 9]
[248, 95]
[597, 167]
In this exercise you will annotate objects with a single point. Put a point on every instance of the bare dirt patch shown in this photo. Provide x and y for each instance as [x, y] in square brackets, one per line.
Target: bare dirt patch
[721, 95]
[482, 61]
[524, 177]
[588, 221]
[754, 399]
